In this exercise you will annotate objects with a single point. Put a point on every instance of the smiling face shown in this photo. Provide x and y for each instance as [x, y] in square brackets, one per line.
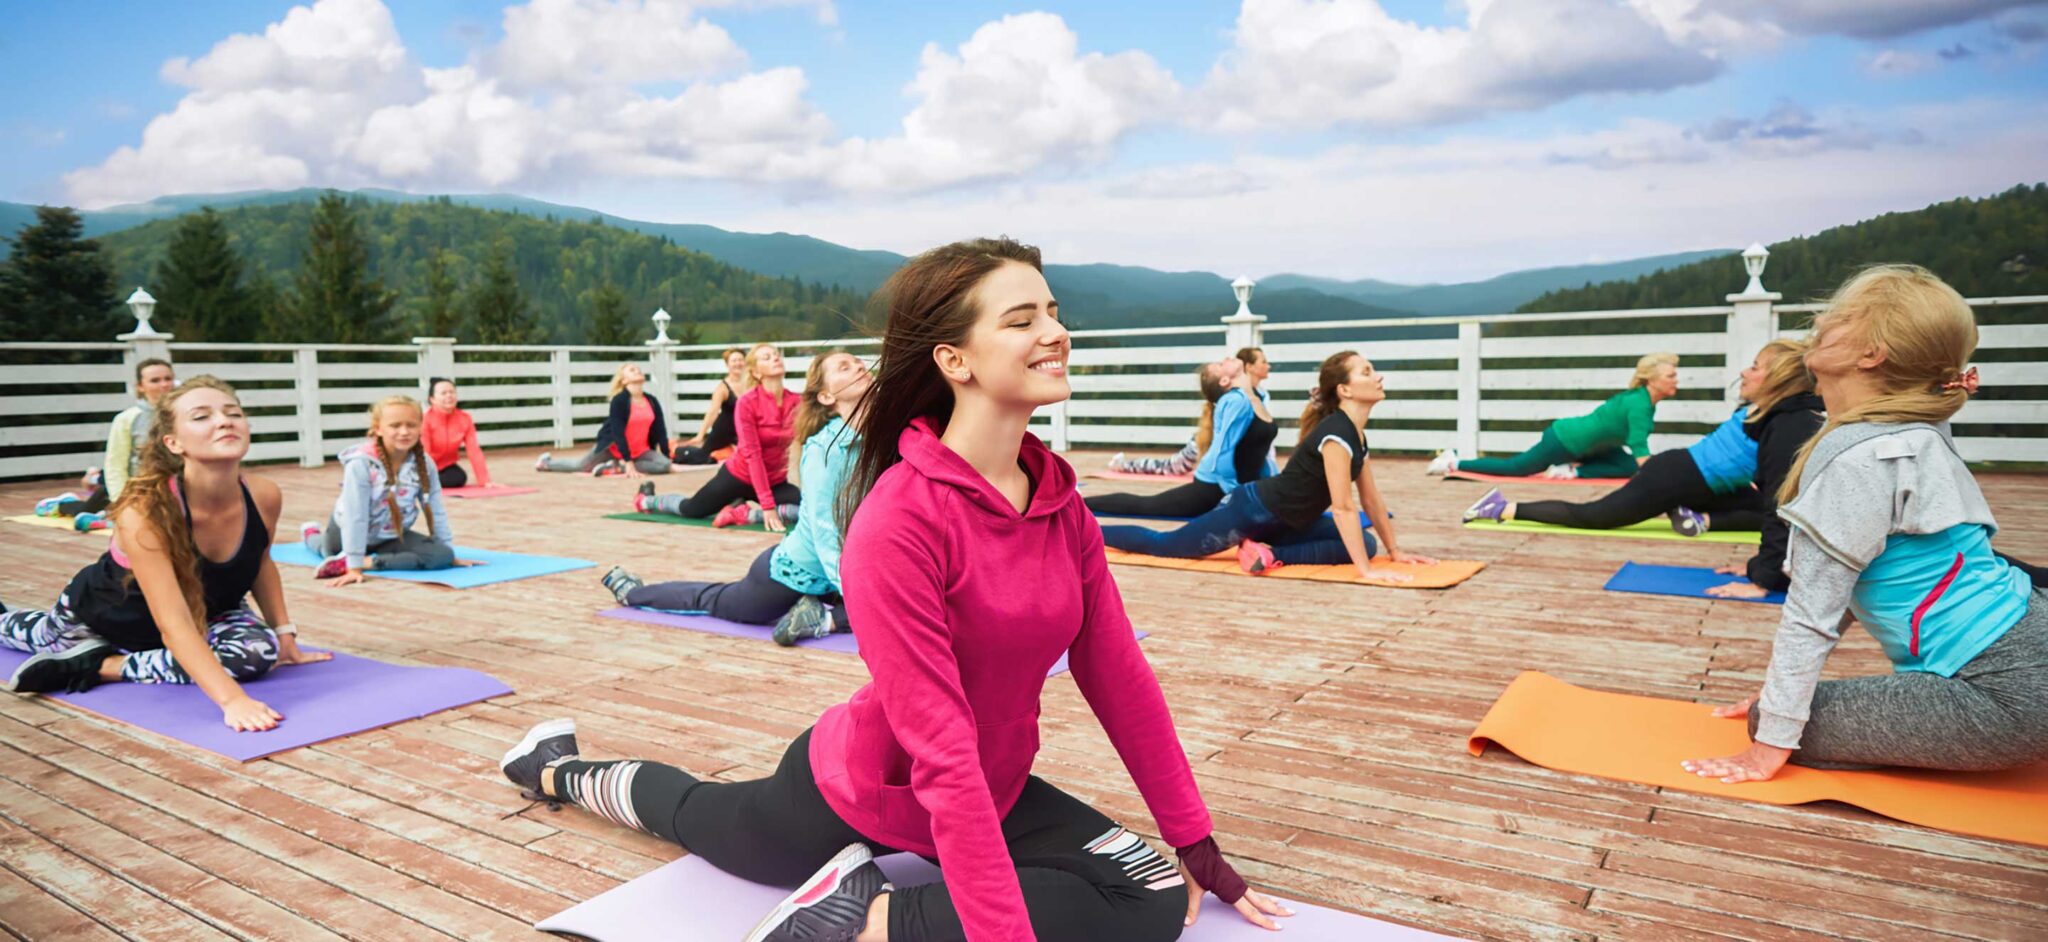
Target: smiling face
[1362, 383]
[154, 381]
[735, 363]
[443, 396]
[208, 425]
[398, 427]
[1016, 352]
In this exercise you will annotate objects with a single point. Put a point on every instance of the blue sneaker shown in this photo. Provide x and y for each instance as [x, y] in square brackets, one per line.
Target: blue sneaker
[89, 521]
[1489, 507]
[1688, 522]
[47, 507]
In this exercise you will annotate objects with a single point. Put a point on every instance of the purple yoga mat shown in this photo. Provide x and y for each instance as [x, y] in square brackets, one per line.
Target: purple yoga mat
[837, 641]
[319, 702]
[689, 899]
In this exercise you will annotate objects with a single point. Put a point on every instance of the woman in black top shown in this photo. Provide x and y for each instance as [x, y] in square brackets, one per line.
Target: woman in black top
[1234, 435]
[165, 603]
[718, 431]
[1280, 520]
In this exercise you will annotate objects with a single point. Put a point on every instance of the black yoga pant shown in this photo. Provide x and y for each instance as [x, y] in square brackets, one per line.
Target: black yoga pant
[1669, 480]
[1187, 501]
[723, 490]
[93, 503]
[453, 476]
[757, 599]
[779, 830]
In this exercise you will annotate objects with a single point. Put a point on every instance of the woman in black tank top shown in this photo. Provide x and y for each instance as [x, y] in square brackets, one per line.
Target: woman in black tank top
[718, 430]
[193, 535]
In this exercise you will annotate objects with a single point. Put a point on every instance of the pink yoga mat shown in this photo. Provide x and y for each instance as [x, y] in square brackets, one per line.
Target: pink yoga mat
[495, 490]
[1134, 476]
[690, 899]
[1536, 479]
[840, 641]
[322, 701]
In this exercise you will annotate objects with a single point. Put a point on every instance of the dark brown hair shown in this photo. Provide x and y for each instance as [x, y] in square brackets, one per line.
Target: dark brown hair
[146, 363]
[927, 302]
[1250, 355]
[1322, 400]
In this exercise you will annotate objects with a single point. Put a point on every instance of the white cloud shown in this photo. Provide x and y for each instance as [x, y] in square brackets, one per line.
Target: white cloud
[1316, 63]
[1899, 62]
[552, 44]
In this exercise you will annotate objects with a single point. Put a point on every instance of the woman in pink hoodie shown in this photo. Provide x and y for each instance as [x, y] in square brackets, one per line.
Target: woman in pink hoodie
[970, 566]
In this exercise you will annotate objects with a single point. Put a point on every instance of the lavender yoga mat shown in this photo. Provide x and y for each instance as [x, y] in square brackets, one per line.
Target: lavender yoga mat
[689, 898]
[690, 621]
[322, 701]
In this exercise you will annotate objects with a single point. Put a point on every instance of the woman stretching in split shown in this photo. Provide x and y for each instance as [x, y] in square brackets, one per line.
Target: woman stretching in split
[634, 437]
[718, 432]
[1279, 520]
[1888, 526]
[970, 567]
[759, 466]
[1236, 434]
[1608, 442]
[165, 603]
[1189, 456]
[384, 483]
[447, 428]
[790, 582]
[125, 438]
[1726, 481]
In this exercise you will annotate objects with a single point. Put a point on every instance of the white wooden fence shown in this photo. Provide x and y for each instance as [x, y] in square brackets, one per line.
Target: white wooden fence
[1471, 382]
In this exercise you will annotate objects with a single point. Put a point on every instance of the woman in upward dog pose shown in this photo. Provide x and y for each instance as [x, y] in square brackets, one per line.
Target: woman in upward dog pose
[970, 566]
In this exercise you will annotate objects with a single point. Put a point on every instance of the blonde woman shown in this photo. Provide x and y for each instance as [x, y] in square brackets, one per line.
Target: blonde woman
[1887, 525]
[759, 467]
[1609, 442]
[166, 603]
[634, 437]
[385, 482]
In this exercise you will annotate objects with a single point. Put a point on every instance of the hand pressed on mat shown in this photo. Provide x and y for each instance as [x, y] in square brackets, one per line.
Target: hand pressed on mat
[1758, 763]
[1736, 590]
[1372, 573]
[1205, 856]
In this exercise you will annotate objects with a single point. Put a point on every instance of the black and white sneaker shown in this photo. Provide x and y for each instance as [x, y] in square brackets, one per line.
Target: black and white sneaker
[805, 620]
[74, 669]
[545, 743]
[832, 906]
[646, 488]
[621, 583]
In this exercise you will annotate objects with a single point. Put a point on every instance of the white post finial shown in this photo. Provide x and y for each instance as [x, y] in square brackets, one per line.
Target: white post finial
[1241, 329]
[142, 305]
[1753, 260]
[1242, 287]
[661, 336]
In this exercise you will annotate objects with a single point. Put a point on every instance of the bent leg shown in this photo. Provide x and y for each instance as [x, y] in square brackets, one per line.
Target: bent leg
[1318, 544]
[1607, 463]
[1213, 532]
[581, 465]
[413, 551]
[1668, 481]
[1189, 500]
[245, 646]
[453, 476]
[1546, 452]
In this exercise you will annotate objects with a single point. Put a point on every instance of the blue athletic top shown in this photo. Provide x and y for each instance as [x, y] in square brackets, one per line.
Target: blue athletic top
[1937, 600]
[1234, 414]
[807, 559]
[1727, 456]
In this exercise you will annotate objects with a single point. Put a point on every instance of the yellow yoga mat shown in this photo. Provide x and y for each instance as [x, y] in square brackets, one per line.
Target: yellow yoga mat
[1656, 528]
[1643, 739]
[54, 523]
[1443, 575]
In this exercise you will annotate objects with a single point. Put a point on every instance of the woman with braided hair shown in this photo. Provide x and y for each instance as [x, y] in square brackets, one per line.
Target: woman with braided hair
[385, 482]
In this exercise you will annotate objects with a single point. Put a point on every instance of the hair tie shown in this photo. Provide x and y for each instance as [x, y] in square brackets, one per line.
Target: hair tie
[1965, 381]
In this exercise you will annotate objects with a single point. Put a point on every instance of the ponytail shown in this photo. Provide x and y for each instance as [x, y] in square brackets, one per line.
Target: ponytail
[1213, 388]
[1322, 400]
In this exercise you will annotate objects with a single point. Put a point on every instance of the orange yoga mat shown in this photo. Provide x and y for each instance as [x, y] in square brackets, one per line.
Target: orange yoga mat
[1443, 575]
[1643, 739]
[1534, 479]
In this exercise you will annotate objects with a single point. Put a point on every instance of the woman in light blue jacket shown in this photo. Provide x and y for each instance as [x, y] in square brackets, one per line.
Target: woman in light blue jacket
[792, 582]
[385, 484]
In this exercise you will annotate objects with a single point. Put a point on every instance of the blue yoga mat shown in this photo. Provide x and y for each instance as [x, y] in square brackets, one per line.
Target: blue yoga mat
[497, 567]
[1688, 581]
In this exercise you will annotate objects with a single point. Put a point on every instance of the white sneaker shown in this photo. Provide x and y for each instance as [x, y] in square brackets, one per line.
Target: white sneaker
[1561, 472]
[541, 463]
[1445, 462]
[1116, 461]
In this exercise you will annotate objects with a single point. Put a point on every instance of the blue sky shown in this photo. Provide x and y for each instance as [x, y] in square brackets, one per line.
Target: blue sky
[1409, 140]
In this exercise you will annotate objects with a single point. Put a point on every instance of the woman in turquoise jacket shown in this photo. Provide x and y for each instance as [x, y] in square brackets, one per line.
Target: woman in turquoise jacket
[792, 583]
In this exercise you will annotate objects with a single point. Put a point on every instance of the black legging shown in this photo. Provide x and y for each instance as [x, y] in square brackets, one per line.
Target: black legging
[1669, 480]
[453, 476]
[1187, 501]
[93, 503]
[757, 599]
[723, 490]
[778, 830]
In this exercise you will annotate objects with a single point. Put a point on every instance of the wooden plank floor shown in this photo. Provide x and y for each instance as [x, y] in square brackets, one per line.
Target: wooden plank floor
[1327, 725]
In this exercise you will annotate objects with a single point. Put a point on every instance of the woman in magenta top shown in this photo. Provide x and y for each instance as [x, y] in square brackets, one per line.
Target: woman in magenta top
[759, 467]
[970, 566]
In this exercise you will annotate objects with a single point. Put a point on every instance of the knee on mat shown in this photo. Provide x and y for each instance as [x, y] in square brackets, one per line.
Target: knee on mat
[1156, 915]
[437, 555]
[247, 653]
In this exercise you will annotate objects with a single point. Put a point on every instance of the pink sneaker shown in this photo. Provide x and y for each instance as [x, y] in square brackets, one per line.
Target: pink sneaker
[331, 567]
[734, 515]
[640, 503]
[1255, 557]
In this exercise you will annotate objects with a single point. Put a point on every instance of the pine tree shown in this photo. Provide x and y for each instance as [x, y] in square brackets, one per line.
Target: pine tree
[334, 298]
[440, 309]
[497, 308]
[200, 292]
[608, 316]
[55, 285]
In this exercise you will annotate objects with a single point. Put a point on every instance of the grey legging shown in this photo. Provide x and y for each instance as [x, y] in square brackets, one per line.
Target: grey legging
[1993, 714]
[408, 551]
[649, 462]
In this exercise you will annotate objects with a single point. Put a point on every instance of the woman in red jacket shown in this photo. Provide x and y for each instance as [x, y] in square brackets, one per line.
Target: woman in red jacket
[971, 565]
[765, 420]
[446, 428]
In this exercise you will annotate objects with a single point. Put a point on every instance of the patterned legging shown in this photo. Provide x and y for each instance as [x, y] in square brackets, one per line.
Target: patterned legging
[245, 645]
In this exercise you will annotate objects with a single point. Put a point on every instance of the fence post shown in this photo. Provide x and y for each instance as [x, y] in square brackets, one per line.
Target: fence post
[1468, 389]
[1241, 329]
[437, 358]
[565, 421]
[306, 362]
[1753, 322]
[1060, 441]
[144, 341]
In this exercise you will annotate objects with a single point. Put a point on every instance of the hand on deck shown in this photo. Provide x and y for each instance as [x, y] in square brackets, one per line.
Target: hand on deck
[350, 577]
[289, 652]
[772, 519]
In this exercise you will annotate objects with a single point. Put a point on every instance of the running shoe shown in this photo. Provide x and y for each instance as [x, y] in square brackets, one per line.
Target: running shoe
[1688, 522]
[1255, 557]
[548, 742]
[1561, 472]
[1445, 462]
[621, 582]
[310, 534]
[1116, 461]
[832, 906]
[541, 463]
[807, 619]
[734, 515]
[1489, 507]
[607, 467]
[74, 669]
[332, 567]
[90, 520]
[646, 488]
[47, 507]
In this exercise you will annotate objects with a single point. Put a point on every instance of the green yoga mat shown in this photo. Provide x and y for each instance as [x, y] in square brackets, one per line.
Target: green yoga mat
[1656, 528]
[682, 521]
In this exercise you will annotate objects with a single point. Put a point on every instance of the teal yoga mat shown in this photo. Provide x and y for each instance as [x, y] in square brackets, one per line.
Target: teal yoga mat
[497, 566]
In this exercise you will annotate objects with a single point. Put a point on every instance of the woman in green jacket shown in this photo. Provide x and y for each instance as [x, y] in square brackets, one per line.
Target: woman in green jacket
[1608, 442]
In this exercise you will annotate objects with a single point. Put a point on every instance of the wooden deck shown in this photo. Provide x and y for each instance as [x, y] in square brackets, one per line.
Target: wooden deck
[1327, 725]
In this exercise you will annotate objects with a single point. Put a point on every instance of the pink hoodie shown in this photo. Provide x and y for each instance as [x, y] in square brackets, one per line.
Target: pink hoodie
[961, 605]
